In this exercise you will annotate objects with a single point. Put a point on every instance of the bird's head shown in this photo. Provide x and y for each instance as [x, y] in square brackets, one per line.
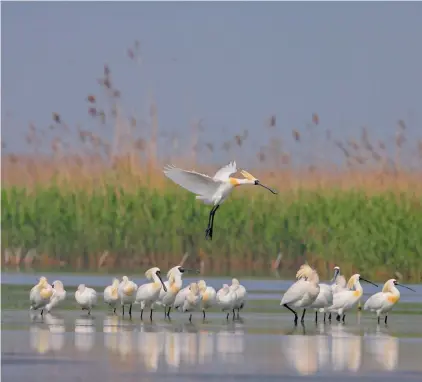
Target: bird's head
[252, 180]
[394, 282]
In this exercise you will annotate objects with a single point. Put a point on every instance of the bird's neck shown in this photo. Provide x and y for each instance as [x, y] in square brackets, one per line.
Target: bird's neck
[237, 182]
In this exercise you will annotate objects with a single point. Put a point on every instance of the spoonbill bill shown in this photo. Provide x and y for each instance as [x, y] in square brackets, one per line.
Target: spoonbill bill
[40, 295]
[192, 300]
[325, 295]
[208, 294]
[240, 291]
[148, 294]
[226, 299]
[347, 299]
[59, 294]
[173, 284]
[303, 292]
[111, 294]
[86, 298]
[127, 293]
[383, 302]
[211, 190]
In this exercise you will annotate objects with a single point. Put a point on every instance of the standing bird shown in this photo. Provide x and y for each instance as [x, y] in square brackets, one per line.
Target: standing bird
[127, 293]
[111, 294]
[40, 295]
[148, 294]
[325, 295]
[303, 292]
[240, 291]
[383, 302]
[192, 300]
[213, 190]
[59, 294]
[208, 294]
[86, 297]
[340, 284]
[226, 299]
[173, 285]
[347, 299]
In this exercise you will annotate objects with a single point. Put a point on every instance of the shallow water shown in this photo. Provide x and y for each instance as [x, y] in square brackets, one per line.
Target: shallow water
[70, 346]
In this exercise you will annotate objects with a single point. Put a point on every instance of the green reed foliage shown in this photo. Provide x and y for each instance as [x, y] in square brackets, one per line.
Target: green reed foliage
[350, 227]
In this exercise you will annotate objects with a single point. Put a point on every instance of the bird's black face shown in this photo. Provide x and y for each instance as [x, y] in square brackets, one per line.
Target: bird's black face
[395, 282]
[181, 269]
[256, 182]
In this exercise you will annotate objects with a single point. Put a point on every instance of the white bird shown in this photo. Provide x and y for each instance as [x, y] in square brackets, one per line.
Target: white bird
[127, 293]
[325, 296]
[40, 295]
[383, 302]
[347, 299]
[213, 190]
[86, 297]
[111, 294]
[180, 298]
[303, 292]
[340, 284]
[173, 284]
[192, 300]
[148, 294]
[208, 295]
[226, 299]
[240, 291]
[59, 294]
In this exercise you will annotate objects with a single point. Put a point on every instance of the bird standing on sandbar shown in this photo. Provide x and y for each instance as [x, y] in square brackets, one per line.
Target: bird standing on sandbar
[213, 190]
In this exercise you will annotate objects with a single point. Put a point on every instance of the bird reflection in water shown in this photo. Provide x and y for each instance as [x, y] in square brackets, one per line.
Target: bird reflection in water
[51, 338]
[150, 345]
[206, 347]
[230, 344]
[84, 334]
[346, 349]
[111, 330]
[384, 348]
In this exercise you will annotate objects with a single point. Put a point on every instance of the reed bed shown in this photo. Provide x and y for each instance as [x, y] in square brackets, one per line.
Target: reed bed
[96, 198]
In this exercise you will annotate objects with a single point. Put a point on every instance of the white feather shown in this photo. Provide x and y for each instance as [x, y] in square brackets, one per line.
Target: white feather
[223, 174]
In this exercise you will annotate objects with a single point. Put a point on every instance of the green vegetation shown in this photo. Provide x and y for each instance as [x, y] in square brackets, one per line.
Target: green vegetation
[375, 235]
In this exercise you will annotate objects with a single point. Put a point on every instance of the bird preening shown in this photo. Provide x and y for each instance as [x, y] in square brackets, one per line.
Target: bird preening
[212, 190]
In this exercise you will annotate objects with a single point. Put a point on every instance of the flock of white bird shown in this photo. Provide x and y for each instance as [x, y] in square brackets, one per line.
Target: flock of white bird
[306, 293]
[194, 297]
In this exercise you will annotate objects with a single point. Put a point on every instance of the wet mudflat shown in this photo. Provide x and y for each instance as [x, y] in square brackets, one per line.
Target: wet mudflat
[71, 346]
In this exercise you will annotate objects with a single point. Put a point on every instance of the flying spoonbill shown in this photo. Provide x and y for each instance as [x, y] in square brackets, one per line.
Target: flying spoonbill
[303, 292]
[111, 294]
[59, 294]
[148, 294]
[325, 295]
[40, 295]
[173, 284]
[226, 299]
[240, 291]
[86, 297]
[347, 299]
[127, 293]
[208, 295]
[192, 300]
[383, 302]
[213, 190]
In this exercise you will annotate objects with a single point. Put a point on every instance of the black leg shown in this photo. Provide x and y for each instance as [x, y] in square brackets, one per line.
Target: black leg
[208, 231]
[316, 316]
[234, 314]
[379, 319]
[228, 314]
[190, 318]
[303, 315]
[130, 311]
[150, 315]
[168, 313]
[385, 321]
[203, 311]
[329, 317]
[123, 310]
[114, 310]
[42, 312]
[324, 316]
[288, 307]
[89, 312]
[338, 317]
[142, 312]
[344, 316]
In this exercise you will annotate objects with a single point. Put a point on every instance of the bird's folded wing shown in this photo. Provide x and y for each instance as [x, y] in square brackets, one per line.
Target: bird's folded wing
[224, 173]
[295, 292]
[192, 181]
[374, 302]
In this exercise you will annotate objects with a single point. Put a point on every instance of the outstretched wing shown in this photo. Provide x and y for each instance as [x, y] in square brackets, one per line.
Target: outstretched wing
[224, 173]
[192, 181]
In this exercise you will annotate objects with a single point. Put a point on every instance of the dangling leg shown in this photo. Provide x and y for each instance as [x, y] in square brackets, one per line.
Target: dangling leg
[208, 231]
[288, 307]
[303, 316]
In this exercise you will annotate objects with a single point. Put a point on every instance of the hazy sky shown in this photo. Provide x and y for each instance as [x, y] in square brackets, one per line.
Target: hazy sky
[232, 64]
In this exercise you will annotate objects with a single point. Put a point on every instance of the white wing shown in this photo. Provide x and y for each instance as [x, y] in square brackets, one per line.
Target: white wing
[374, 302]
[295, 292]
[192, 181]
[224, 173]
